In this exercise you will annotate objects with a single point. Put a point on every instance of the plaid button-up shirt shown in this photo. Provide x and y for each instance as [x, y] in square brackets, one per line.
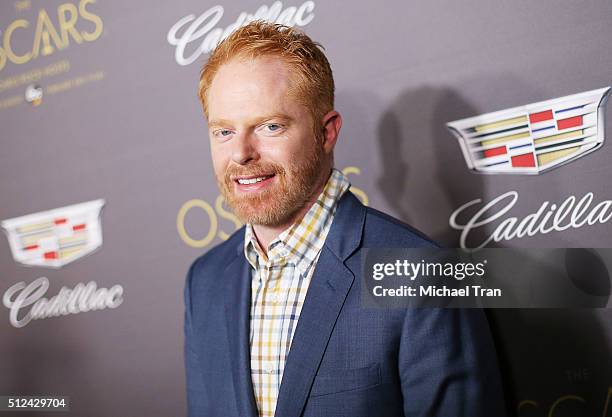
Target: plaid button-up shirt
[279, 285]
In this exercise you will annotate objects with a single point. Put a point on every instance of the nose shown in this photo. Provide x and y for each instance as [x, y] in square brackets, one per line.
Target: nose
[245, 149]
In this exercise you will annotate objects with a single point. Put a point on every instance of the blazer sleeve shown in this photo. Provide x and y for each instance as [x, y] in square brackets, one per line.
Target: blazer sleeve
[196, 393]
[448, 366]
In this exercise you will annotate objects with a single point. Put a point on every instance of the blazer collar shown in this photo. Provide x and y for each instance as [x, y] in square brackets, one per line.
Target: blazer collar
[237, 296]
[345, 234]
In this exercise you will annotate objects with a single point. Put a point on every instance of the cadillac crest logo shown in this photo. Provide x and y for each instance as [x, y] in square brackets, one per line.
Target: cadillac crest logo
[55, 237]
[533, 138]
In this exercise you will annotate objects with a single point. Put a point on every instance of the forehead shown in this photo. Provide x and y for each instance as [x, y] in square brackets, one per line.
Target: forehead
[250, 88]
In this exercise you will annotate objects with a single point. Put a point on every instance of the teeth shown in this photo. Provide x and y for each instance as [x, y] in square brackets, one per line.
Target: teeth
[251, 180]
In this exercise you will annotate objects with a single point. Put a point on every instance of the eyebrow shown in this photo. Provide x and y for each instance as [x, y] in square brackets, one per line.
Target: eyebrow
[253, 122]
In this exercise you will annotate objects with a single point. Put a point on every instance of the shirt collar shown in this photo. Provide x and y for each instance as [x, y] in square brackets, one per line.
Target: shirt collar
[302, 241]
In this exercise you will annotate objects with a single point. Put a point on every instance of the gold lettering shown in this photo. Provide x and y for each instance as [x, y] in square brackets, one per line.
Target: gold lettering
[2, 59]
[359, 193]
[22, 5]
[44, 31]
[67, 25]
[48, 38]
[12, 56]
[180, 223]
[525, 403]
[95, 19]
[605, 412]
[562, 399]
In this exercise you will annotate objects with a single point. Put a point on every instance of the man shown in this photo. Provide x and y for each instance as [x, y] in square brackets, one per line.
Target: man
[273, 321]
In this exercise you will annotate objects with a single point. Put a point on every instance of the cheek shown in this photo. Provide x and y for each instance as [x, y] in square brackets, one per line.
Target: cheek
[219, 159]
[287, 150]
[273, 150]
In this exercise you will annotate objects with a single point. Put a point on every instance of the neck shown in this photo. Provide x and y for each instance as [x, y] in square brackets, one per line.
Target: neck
[266, 234]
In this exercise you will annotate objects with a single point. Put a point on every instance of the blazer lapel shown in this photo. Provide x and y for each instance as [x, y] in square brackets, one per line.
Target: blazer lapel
[328, 289]
[237, 295]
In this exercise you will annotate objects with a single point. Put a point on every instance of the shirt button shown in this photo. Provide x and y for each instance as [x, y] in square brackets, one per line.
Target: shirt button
[274, 298]
[269, 368]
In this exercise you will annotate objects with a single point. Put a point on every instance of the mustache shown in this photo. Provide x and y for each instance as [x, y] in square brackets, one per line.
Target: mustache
[259, 169]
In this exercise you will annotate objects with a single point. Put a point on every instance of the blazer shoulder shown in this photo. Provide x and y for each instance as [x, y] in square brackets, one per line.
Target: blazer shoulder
[383, 230]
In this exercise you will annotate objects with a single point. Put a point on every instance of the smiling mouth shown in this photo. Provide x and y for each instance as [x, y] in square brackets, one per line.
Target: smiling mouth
[252, 180]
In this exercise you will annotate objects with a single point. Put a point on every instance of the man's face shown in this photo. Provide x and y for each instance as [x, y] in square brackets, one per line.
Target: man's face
[266, 159]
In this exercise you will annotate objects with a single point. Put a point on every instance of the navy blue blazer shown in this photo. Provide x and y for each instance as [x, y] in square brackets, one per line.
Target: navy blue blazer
[344, 360]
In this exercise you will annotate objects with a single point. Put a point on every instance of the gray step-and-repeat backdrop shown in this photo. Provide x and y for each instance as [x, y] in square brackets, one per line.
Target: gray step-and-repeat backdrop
[107, 190]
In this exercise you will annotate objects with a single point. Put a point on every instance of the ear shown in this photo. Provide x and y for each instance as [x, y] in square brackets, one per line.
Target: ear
[332, 122]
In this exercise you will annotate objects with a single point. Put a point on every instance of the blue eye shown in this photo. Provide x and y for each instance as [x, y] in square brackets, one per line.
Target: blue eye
[223, 133]
[273, 127]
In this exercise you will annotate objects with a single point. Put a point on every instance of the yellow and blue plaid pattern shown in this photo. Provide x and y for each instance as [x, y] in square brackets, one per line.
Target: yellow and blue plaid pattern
[279, 287]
